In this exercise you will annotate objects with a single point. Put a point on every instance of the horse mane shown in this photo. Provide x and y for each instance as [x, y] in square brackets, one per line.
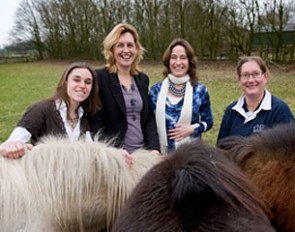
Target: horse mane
[180, 190]
[267, 158]
[276, 143]
[74, 185]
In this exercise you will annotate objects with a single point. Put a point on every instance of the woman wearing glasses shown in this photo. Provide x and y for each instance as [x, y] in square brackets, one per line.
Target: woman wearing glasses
[256, 109]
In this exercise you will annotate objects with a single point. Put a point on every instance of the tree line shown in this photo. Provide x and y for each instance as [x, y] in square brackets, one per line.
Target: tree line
[224, 29]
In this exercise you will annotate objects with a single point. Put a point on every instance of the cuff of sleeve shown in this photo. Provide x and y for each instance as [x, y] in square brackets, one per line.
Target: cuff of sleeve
[196, 125]
[20, 134]
[199, 128]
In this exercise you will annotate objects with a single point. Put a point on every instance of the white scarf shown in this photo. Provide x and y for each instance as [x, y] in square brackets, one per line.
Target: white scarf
[186, 111]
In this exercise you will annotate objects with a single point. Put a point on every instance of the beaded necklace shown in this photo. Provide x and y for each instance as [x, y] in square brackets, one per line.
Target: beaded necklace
[176, 92]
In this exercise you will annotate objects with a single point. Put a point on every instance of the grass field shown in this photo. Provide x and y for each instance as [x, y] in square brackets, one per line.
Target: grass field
[21, 84]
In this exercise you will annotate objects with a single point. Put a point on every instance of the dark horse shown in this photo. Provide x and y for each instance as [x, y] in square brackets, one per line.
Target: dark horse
[195, 189]
[268, 159]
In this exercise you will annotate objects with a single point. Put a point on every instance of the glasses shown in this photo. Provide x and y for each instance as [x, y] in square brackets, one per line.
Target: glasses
[255, 76]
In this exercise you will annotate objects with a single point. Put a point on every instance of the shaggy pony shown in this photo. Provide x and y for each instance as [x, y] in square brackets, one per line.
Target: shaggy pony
[64, 186]
[268, 159]
[196, 189]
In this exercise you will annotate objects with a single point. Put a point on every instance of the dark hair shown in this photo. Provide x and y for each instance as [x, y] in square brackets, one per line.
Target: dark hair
[244, 59]
[92, 103]
[192, 70]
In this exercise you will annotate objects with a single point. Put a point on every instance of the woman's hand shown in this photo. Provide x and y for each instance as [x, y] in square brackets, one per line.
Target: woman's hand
[14, 149]
[155, 152]
[128, 157]
[180, 132]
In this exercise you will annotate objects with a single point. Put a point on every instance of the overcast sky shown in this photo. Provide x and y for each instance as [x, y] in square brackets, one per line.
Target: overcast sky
[7, 14]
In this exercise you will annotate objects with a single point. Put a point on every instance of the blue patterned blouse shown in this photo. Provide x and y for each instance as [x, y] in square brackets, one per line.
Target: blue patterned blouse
[201, 112]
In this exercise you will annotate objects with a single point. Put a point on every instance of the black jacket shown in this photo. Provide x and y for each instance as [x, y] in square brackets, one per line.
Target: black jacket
[111, 121]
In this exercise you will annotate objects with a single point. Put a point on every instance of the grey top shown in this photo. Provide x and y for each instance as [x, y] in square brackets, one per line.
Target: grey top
[134, 137]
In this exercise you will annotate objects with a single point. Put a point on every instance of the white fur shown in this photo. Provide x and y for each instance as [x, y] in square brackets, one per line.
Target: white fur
[64, 186]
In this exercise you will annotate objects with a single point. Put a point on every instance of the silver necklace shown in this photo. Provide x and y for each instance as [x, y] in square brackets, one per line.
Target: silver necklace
[176, 92]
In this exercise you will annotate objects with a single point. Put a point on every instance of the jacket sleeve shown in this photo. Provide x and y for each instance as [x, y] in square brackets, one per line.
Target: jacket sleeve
[151, 133]
[282, 112]
[224, 127]
[205, 112]
[96, 123]
[150, 129]
[34, 118]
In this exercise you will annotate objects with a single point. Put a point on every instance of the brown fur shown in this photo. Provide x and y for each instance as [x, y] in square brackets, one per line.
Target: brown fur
[196, 189]
[268, 158]
[64, 186]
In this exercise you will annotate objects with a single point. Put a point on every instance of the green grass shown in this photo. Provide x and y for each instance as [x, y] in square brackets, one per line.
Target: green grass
[25, 83]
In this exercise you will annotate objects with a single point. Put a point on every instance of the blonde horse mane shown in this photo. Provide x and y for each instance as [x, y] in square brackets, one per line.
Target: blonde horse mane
[66, 186]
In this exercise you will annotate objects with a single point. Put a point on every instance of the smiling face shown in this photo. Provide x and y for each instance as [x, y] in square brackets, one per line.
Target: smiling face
[125, 51]
[178, 63]
[79, 85]
[252, 80]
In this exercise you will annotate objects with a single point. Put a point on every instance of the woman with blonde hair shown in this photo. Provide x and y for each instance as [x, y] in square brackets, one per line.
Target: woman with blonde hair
[126, 116]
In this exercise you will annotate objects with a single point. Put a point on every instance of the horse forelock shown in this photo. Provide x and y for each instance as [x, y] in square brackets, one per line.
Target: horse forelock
[214, 171]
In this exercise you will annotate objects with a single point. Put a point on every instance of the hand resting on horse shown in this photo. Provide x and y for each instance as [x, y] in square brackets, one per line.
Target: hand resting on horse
[14, 149]
[129, 158]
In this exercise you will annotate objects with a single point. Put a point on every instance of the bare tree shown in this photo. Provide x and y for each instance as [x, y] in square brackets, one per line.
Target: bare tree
[276, 19]
[212, 31]
[76, 28]
[27, 26]
[242, 19]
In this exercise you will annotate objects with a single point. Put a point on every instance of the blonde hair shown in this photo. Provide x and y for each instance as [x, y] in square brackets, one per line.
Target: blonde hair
[112, 38]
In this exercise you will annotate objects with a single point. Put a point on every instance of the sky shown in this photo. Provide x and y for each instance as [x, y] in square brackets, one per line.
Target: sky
[7, 15]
